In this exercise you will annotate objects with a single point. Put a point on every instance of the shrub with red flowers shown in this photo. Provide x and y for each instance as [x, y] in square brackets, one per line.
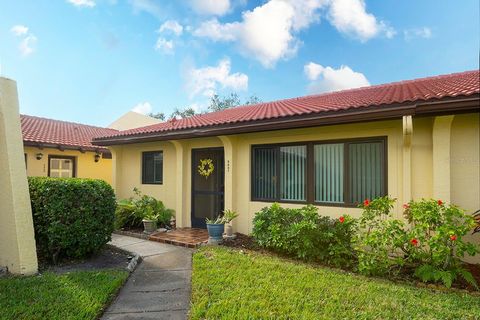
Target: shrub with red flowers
[380, 240]
[430, 241]
[439, 229]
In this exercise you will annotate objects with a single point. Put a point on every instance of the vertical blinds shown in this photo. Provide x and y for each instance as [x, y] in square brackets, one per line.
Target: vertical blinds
[366, 171]
[292, 177]
[328, 164]
[265, 169]
[345, 172]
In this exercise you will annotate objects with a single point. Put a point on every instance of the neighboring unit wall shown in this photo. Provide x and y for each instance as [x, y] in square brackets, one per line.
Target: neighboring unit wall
[85, 165]
[131, 120]
[17, 242]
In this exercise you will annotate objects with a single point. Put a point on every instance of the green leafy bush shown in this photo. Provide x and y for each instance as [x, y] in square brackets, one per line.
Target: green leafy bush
[130, 212]
[380, 240]
[304, 234]
[436, 236]
[72, 217]
[430, 241]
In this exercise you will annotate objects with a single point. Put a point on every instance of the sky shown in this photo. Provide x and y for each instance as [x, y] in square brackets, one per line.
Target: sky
[90, 61]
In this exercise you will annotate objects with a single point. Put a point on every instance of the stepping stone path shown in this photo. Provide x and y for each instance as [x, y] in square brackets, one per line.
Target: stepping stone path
[159, 288]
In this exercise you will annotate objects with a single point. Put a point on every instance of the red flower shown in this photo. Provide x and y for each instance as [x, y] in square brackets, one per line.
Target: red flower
[440, 202]
[406, 206]
[366, 202]
[453, 237]
[414, 242]
[341, 219]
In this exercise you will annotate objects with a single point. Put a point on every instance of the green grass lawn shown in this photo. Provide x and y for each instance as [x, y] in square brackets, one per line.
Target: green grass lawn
[75, 295]
[230, 285]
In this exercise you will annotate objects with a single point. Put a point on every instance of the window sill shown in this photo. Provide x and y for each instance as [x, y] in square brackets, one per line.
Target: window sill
[317, 204]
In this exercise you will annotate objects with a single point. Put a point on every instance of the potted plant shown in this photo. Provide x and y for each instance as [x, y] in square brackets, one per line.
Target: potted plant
[228, 216]
[149, 220]
[216, 226]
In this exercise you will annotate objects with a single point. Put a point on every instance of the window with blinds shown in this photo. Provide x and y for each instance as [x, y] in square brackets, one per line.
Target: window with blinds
[293, 162]
[265, 173]
[366, 180]
[328, 166]
[152, 167]
[343, 172]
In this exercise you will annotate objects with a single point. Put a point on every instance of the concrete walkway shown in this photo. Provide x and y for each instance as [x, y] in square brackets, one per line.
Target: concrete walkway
[160, 286]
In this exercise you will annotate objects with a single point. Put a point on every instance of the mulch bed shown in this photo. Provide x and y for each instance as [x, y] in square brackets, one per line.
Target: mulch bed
[107, 258]
[243, 241]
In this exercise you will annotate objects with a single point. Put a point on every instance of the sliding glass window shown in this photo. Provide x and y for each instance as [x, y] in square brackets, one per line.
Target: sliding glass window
[332, 173]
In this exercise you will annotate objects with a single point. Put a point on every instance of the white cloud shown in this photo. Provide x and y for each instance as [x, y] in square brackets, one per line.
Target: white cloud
[424, 33]
[211, 7]
[327, 79]
[19, 30]
[217, 31]
[313, 70]
[148, 6]
[269, 32]
[28, 42]
[27, 46]
[171, 26]
[165, 46]
[143, 108]
[207, 80]
[350, 17]
[82, 3]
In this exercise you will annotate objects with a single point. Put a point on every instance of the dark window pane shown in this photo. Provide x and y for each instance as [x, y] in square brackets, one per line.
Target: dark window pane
[264, 177]
[292, 175]
[328, 164]
[152, 171]
[366, 168]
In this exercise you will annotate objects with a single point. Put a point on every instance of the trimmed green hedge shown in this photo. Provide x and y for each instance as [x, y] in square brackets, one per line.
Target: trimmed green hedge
[72, 217]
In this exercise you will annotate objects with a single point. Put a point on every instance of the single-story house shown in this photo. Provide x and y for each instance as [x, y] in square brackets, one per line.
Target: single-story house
[56, 148]
[410, 140]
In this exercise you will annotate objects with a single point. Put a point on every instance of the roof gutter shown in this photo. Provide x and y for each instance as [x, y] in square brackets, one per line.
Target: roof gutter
[363, 114]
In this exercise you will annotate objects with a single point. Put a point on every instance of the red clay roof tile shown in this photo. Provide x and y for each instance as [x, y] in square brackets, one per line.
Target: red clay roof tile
[450, 85]
[61, 133]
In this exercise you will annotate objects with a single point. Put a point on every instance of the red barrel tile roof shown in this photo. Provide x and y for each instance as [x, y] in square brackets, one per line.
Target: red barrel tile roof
[61, 133]
[423, 89]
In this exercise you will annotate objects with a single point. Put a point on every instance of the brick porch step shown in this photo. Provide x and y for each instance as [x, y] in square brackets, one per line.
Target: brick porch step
[184, 237]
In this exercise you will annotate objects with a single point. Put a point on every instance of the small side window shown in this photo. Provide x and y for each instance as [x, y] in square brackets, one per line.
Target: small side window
[152, 167]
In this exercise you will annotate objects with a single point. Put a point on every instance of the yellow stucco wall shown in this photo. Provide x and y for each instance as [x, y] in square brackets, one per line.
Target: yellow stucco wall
[465, 166]
[86, 167]
[132, 120]
[465, 161]
[17, 242]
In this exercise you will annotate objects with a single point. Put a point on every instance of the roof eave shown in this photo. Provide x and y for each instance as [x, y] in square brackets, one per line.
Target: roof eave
[62, 147]
[363, 114]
